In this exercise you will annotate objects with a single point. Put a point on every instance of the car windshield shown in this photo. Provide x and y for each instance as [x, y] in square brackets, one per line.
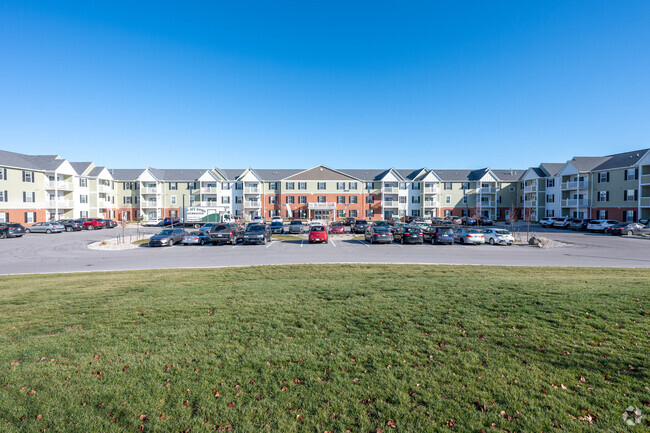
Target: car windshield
[362, 222]
[473, 231]
[445, 231]
[256, 228]
[195, 234]
[381, 224]
[276, 224]
[166, 232]
[296, 223]
[502, 232]
[221, 227]
[318, 229]
[381, 229]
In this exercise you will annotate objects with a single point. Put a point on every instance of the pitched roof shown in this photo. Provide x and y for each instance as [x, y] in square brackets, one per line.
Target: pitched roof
[125, 174]
[95, 171]
[553, 168]
[510, 175]
[80, 167]
[276, 174]
[182, 174]
[369, 175]
[622, 160]
[32, 162]
[232, 173]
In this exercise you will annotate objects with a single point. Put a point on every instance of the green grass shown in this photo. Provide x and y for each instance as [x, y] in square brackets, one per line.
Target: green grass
[325, 348]
[141, 242]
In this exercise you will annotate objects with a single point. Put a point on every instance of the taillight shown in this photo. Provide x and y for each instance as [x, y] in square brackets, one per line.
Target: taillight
[407, 234]
[420, 234]
[436, 234]
[230, 234]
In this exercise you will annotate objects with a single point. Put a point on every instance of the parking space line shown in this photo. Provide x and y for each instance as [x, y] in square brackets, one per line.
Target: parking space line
[234, 246]
[269, 244]
[364, 243]
[332, 242]
[302, 242]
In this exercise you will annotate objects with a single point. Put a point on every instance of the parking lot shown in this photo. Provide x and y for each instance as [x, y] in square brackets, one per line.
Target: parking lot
[68, 252]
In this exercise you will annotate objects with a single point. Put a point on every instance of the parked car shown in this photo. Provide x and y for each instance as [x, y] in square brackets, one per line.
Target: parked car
[425, 221]
[409, 234]
[166, 222]
[167, 237]
[196, 238]
[349, 221]
[11, 230]
[381, 224]
[207, 227]
[109, 223]
[338, 227]
[152, 223]
[277, 227]
[484, 221]
[257, 234]
[93, 224]
[378, 235]
[452, 220]
[468, 221]
[258, 219]
[72, 225]
[295, 226]
[630, 229]
[498, 237]
[277, 219]
[437, 221]
[579, 224]
[601, 225]
[226, 233]
[561, 223]
[547, 222]
[318, 233]
[359, 226]
[439, 235]
[47, 227]
[468, 236]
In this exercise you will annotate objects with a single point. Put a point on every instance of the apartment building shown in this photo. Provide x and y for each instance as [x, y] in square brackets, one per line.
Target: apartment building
[40, 187]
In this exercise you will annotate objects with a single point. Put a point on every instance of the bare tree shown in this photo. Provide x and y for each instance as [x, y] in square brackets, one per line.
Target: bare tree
[513, 216]
[528, 217]
[123, 223]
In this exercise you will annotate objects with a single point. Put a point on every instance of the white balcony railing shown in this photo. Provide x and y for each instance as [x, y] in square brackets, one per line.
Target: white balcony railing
[491, 203]
[574, 202]
[390, 203]
[431, 190]
[645, 179]
[575, 185]
[645, 201]
[431, 203]
[104, 188]
[252, 203]
[105, 204]
[530, 203]
[147, 204]
[61, 204]
[211, 203]
[530, 188]
[250, 190]
[209, 190]
[390, 190]
[487, 190]
[149, 190]
[60, 184]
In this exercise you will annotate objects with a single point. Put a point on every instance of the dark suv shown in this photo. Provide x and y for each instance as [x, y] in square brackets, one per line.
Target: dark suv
[226, 233]
[72, 225]
[11, 230]
[359, 226]
[439, 235]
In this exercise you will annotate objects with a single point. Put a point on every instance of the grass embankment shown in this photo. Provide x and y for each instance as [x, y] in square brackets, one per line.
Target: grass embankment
[325, 348]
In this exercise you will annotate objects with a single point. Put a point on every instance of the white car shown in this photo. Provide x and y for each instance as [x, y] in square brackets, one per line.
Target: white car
[152, 223]
[276, 219]
[547, 222]
[258, 219]
[601, 225]
[498, 237]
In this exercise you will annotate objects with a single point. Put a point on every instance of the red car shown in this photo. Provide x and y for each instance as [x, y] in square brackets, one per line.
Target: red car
[317, 234]
[338, 227]
[93, 224]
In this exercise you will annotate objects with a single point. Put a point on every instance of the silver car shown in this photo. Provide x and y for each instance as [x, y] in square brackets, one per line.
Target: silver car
[167, 237]
[196, 238]
[498, 237]
[45, 228]
[468, 236]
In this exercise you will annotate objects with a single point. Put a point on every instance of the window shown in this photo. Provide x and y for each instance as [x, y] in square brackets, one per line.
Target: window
[290, 199]
[465, 199]
[603, 196]
[239, 186]
[353, 213]
[447, 199]
[3, 196]
[128, 200]
[4, 217]
[238, 199]
[272, 199]
[173, 199]
[28, 176]
[340, 199]
[321, 185]
[3, 174]
[602, 214]
[464, 212]
[191, 185]
[415, 186]
[83, 182]
[302, 213]
[511, 189]
[340, 185]
[550, 198]
[485, 199]
[352, 199]
[173, 186]
[353, 185]
[322, 199]
[631, 174]
[273, 186]
[225, 200]
[415, 199]
[465, 185]
[289, 185]
[603, 177]
[629, 216]
[499, 199]
[402, 199]
[30, 217]
[193, 199]
[550, 183]
[225, 186]
[402, 185]
[28, 197]
[447, 186]
[415, 212]
[127, 186]
[370, 199]
[302, 199]
[370, 185]
[274, 213]
[447, 212]
[630, 195]
[550, 213]
[83, 198]
[340, 213]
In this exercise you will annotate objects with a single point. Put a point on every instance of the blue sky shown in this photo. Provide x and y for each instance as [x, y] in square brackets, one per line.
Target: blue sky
[454, 84]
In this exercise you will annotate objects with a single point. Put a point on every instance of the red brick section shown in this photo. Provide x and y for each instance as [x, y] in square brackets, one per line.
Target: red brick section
[614, 213]
[18, 215]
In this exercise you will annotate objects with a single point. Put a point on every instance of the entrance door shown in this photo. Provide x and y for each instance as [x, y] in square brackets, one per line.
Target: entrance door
[388, 214]
[507, 214]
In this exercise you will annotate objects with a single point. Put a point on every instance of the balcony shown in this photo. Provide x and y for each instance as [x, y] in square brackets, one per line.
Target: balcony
[645, 179]
[530, 188]
[211, 203]
[491, 203]
[252, 191]
[252, 203]
[104, 188]
[60, 204]
[149, 204]
[209, 190]
[149, 190]
[431, 203]
[58, 184]
[390, 203]
[105, 204]
[390, 190]
[530, 203]
[568, 186]
[645, 201]
[486, 190]
[574, 202]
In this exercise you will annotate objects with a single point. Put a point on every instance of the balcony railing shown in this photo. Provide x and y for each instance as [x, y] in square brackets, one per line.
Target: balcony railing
[252, 190]
[530, 188]
[431, 190]
[211, 203]
[105, 204]
[149, 204]
[209, 190]
[61, 204]
[487, 203]
[575, 185]
[390, 190]
[390, 203]
[645, 201]
[58, 184]
[574, 202]
[431, 203]
[252, 203]
[645, 179]
[104, 188]
[487, 190]
[530, 203]
[149, 190]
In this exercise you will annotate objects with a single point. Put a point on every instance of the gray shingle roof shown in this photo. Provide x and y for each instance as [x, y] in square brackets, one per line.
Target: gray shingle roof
[369, 175]
[95, 171]
[125, 174]
[276, 175]
[31, 162]
[510, 175]
[182, 174]
[622, 160]
[80, 167]
[552, 167]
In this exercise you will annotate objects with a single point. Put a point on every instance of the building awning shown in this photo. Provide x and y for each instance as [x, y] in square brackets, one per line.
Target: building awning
[321, 206]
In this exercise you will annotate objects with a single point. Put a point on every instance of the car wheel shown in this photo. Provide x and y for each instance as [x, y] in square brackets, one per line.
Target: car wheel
[433, 240]
[68, 229]
[91, 227]
[491, 241]
[371, 241]
[48, 231]
[201, 242]
[28, 231]
[462, 241]
[629, 233]
[402, 240]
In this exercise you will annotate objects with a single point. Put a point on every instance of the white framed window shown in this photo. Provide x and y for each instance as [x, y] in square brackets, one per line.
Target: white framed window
[550, 183]
[415, 186]
[370, 185]
[225, 200]
[322, 199]
[447, 199]
[30, 217]
[28, 176]
[3, 196]
[369, 213]
[303, 185]
[302, 199]
[630, 174]
[225, 186]
[289, 185]
[447, 212]
[173, 186]
[83, 214]
[415, 213]
[83, 182]
[465, 185]
[415, 199]
[290, 199]
[3, 174]
[402, 199]
[353, 213]
[273, 186]
[340, 199]
[550, 198]
[447, 186]
[128, 200]
[321, 185]
[603, 195]
[402, 185]
[602, 214]
[353, 185]
[464, 199]
[83, 198]
[629, 195]
[340, 185]
[173, 199]
[352, 199]
[629, 216]
[370, 199]
[603, 177]
[340, 213]
[272, 199]
[29, 197]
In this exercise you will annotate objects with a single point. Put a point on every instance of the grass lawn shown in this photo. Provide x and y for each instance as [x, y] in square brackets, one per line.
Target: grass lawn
[325, 348]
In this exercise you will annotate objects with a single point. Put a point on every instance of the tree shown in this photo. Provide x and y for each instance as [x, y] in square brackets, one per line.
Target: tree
[528, 217]
[124, 221]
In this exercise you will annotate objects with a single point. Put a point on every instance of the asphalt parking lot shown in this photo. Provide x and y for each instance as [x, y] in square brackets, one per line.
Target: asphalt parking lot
[68, 252]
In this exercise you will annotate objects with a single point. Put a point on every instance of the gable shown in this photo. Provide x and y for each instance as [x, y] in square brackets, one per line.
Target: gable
[431, 177]
[208, 176]
[321, 173]
[249, 176]
[568, 170]
[488, 177]
[146, 176]
[645, 160]
[530, 175]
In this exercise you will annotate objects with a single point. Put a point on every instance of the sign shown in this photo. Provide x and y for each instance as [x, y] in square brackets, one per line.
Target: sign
[203, 214]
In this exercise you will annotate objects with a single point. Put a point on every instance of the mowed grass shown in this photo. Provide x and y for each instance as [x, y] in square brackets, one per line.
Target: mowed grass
[325, 348]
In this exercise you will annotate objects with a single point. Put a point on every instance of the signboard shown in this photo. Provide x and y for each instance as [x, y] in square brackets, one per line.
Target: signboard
[203, 214]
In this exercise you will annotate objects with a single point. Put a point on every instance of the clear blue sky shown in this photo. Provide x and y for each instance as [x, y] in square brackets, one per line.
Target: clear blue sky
[454, 84]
